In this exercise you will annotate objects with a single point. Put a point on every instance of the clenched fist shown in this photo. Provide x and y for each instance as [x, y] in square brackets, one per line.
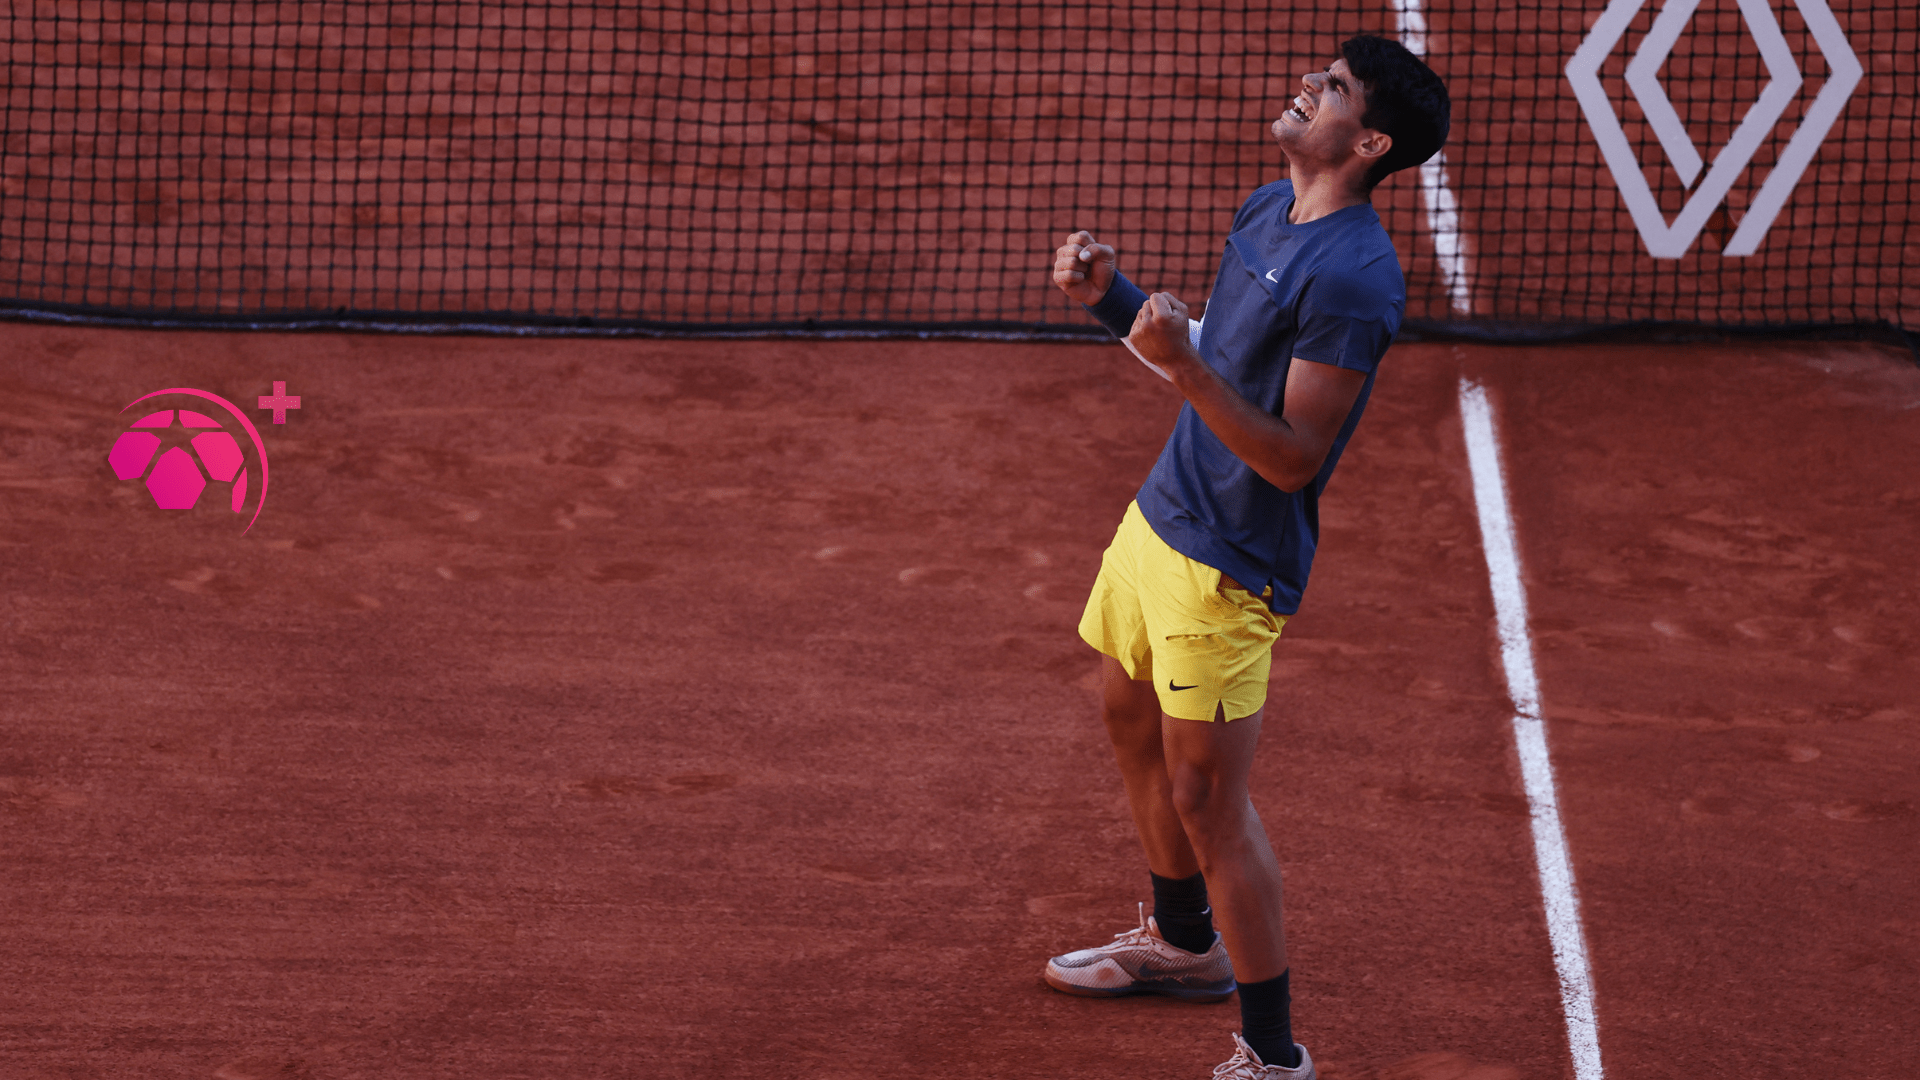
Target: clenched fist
[1084, 269]
[1160, 335]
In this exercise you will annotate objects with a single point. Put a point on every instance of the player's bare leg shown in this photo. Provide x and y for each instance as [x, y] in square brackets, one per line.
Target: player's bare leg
[1208, 764]
[1177, 952]
[1132, 713]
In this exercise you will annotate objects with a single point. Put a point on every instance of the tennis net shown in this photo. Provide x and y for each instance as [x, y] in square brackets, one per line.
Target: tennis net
[741, 166]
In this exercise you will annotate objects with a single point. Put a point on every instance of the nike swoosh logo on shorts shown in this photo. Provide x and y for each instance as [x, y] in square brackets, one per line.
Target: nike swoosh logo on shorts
[1170, 686]
[1270, 276]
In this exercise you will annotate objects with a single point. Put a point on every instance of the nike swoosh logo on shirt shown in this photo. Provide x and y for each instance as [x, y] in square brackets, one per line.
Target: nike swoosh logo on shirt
[1170, 686]
[1270, 276]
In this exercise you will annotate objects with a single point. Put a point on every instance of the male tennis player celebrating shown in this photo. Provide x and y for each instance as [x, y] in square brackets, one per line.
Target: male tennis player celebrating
[1212, 556]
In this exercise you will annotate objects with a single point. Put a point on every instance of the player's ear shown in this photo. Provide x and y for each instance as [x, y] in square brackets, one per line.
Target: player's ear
[1373, 144]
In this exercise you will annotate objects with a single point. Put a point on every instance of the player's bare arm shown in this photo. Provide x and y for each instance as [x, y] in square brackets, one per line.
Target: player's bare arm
[1286, 450]
[1083, 268]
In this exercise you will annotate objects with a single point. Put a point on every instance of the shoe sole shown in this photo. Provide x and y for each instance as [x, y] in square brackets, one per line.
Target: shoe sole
[1184, 993]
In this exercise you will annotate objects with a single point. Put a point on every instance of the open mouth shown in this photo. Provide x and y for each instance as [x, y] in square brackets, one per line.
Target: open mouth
[1299, 110]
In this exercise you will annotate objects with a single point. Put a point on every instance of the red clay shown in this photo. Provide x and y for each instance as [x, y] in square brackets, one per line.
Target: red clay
[690, 709]
[1720, 545]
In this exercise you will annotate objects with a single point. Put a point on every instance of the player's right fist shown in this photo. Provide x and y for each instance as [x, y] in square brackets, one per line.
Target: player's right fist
[1083, 269]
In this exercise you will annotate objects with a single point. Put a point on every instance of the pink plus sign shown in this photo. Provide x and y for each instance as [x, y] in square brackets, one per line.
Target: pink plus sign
[280, 403]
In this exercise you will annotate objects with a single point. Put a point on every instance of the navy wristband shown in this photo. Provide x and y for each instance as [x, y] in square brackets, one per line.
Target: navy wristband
[1118, 307]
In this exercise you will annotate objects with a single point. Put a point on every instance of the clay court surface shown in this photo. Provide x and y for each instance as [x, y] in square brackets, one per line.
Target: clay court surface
[714, 709]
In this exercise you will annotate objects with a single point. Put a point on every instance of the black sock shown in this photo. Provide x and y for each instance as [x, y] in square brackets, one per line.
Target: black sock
[1266, 1021]
[1180, 910]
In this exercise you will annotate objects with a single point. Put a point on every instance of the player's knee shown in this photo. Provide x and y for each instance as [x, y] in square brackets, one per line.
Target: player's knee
[1212, 813]
[1196, 800]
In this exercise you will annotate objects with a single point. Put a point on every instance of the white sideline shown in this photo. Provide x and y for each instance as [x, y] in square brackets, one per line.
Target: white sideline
[1530, 735]
[1443, 210]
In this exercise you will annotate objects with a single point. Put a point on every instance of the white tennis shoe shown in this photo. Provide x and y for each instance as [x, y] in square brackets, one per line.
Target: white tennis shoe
[1139, 961]
[1246, 1065]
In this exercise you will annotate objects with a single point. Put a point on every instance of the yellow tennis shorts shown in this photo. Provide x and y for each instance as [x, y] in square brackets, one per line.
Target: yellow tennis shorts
[1204, 642]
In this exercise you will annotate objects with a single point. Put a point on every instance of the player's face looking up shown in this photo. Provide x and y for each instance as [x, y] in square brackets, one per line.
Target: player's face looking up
[1322, 126]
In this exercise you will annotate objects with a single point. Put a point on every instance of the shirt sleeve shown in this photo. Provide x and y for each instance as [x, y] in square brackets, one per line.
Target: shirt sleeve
[1117, 309]
[1346, 320]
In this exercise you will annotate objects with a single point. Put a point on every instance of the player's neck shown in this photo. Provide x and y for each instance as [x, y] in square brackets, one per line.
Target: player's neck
[1318, 192]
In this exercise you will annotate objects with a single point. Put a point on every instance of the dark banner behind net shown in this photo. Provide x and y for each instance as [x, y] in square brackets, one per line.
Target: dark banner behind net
[743, 162]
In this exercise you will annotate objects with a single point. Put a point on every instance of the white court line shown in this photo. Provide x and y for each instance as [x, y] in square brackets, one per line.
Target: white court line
[1443, 210]
[1530, 733]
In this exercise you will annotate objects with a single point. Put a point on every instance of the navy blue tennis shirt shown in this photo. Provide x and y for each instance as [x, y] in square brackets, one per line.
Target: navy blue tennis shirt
[1327, 291]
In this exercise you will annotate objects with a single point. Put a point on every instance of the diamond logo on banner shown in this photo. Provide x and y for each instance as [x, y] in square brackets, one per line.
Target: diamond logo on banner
[1666, 241]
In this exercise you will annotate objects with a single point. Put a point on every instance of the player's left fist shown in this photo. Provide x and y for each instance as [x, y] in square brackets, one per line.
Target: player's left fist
[1160, 331]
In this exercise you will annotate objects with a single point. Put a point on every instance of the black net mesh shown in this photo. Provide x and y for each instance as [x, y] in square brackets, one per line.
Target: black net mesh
[732, 164]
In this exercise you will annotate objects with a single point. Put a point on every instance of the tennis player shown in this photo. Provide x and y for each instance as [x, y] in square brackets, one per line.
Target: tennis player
[1212, 556]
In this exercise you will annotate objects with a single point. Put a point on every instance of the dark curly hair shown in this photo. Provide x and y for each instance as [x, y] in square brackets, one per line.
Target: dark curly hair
[1406, 101]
